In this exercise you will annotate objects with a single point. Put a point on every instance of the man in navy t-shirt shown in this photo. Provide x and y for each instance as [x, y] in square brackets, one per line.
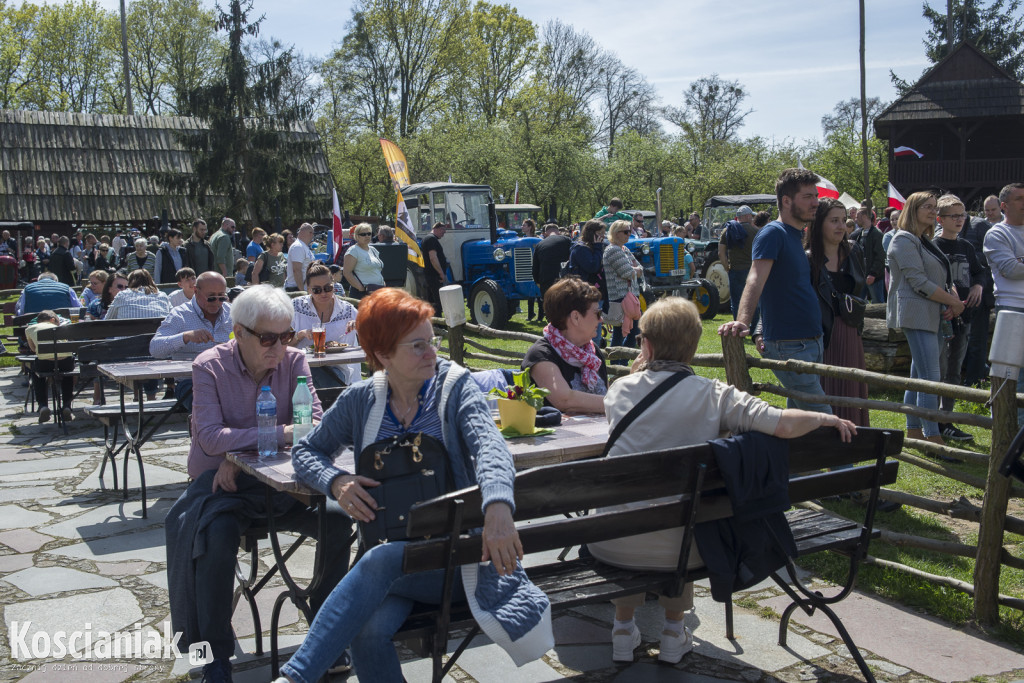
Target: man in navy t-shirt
[780, 279]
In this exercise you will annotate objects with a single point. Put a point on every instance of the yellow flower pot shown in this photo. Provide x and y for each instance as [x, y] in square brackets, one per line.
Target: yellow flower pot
[519, 415]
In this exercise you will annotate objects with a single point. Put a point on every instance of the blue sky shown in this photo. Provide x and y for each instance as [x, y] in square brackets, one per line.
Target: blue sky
[796, 60]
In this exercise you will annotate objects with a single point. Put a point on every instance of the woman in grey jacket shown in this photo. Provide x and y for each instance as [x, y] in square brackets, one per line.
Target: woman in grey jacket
[620, 270]
[920, 296]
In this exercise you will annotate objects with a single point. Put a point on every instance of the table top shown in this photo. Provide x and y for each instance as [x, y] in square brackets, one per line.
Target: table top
[579, 437]
[138, 371]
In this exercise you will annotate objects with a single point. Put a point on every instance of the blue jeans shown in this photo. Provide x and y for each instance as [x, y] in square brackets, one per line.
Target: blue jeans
[365, 610]
[924, 364]
[629, 341]
[810, 350]
[737, 282]
[877, 290]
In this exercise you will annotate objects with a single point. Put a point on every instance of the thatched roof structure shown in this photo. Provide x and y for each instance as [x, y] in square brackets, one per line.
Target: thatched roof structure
[60, 168]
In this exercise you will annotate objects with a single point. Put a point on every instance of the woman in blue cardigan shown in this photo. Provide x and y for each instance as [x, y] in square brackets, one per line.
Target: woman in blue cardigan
[412, 391]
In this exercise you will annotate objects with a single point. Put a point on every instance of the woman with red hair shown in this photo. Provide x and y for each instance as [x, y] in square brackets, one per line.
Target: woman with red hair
[413, 392]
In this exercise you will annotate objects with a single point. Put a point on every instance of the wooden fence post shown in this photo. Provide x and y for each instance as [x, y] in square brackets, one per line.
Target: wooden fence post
[993, 510]
[737, 373]
[457, 344]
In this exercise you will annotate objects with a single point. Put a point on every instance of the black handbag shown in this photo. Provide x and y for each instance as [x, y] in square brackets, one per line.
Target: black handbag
[850, 308]
[411, 468]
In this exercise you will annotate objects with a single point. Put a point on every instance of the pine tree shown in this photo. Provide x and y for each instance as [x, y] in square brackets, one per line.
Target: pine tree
[247, 156]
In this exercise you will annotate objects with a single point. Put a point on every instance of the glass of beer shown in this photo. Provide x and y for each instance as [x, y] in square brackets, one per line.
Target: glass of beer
[319, 341]
[74, 316]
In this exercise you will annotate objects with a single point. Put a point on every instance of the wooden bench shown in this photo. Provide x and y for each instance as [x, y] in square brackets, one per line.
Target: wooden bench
[690, 475]
[72, 338]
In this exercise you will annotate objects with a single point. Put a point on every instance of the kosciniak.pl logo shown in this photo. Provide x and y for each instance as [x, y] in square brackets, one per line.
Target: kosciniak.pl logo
[86, 643]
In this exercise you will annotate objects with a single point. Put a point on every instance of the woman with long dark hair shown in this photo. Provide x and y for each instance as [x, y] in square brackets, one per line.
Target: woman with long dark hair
[837, 270]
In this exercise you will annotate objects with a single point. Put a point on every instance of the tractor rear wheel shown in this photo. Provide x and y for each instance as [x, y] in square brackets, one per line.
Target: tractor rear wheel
[488, 305]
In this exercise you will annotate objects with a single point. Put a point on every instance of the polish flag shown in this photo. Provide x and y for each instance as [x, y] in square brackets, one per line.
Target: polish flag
[826, 190]
[337, 234]
[896, 200]
[907, 152]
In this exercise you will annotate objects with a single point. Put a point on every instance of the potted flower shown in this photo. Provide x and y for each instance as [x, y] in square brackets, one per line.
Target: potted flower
[518, 404]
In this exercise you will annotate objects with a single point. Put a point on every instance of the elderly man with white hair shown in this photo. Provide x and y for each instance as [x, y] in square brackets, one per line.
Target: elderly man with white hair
[205, 525]
[140, 258]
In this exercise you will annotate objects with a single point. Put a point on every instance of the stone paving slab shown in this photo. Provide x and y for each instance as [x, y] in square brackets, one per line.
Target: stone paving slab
[147, 546]
[106, 520]
[35, 494]
[19, 453]
[46, 580]
[45, 465]
[155, 476]
[15, 516]
[15, 562]
[110, 610]
[24, 540]
[19, 479]
[912, 639]
[94, 672]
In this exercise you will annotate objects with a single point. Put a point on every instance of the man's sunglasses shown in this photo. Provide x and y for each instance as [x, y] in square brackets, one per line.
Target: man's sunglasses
[221, 298]
[267, 339]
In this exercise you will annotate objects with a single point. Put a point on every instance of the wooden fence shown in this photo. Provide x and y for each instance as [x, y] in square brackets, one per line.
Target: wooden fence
[991, 517]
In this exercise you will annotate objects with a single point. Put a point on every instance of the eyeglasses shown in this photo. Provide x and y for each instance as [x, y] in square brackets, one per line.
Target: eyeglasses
[267, 339]
[420, 346]
[222, 298]
[120, 286]
[321, 290]
[597, 312]
[363, 234]
[957, 216]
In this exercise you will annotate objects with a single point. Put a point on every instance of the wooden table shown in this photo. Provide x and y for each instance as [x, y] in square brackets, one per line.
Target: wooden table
[577, 438]
[130, 376]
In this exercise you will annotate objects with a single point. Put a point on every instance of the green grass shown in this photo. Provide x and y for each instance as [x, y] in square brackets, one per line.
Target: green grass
[950, 605]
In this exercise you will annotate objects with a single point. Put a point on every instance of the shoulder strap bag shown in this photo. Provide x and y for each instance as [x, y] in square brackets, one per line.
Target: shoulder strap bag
[644, 403]
[411, 468]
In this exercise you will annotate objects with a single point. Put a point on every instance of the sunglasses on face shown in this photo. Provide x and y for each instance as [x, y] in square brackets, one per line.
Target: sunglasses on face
[363, 234]
[222, 298]
[321, 290]
[420, 346]
[267, 339]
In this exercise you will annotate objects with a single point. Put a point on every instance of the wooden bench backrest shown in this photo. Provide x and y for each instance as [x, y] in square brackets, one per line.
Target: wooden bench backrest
[558, 489]
[116, 350]
[72, 338]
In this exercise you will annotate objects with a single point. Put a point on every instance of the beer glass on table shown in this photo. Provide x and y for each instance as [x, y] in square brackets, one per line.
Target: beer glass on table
[319, 335]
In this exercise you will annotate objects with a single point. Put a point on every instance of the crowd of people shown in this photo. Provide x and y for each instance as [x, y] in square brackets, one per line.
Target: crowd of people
[801, 282]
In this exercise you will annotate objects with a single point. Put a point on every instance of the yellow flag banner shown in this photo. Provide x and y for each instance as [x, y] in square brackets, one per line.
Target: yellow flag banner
[398, 169]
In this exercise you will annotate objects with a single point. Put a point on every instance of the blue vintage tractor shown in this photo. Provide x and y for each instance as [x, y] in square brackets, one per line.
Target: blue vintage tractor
[664, 261]
[494, 267]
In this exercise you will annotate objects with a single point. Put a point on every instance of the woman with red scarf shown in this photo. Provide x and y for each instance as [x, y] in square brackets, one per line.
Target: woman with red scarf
[565, 361]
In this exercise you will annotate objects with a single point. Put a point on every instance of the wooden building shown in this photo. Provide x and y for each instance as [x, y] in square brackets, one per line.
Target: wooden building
[966, 116]
[62, 171]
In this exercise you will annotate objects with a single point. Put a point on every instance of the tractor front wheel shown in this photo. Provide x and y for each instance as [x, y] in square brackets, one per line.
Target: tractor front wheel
[488, 305]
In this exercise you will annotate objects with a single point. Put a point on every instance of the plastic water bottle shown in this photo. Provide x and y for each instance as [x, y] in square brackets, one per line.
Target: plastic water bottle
[302, 411]
[266, 422]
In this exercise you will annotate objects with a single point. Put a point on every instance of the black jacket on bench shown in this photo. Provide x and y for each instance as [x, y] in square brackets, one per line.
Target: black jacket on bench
[745, 549]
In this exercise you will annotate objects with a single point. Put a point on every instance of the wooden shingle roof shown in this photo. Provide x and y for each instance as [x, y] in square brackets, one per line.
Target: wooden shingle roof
[62, 166]
[965, 84]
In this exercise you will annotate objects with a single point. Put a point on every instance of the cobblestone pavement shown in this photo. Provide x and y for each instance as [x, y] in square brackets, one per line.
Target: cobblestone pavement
[75, 556]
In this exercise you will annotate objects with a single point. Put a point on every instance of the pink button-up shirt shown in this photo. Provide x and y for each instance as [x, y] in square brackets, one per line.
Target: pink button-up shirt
[224, 403]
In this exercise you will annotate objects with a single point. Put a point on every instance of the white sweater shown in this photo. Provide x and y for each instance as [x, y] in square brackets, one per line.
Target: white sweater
[692, 412]
[1004, 249]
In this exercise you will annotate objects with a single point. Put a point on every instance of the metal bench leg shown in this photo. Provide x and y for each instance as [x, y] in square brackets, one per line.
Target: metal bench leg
[245, 590]
[728, 620]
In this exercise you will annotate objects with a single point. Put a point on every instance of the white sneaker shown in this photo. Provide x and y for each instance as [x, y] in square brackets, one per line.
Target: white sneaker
[623, 644]
[675, 645]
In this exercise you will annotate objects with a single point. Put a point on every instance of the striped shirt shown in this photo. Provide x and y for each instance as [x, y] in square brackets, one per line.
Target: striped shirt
[136, 303]
[168, 341]
[131, 262]
[427, 419]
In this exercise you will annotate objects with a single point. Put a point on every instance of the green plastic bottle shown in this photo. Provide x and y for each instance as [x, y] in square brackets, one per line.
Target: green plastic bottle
[302, 410]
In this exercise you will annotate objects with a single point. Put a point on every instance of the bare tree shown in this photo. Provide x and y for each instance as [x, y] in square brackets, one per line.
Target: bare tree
[626, 101]
[846, 114]
[569, 67]
[712, 110]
